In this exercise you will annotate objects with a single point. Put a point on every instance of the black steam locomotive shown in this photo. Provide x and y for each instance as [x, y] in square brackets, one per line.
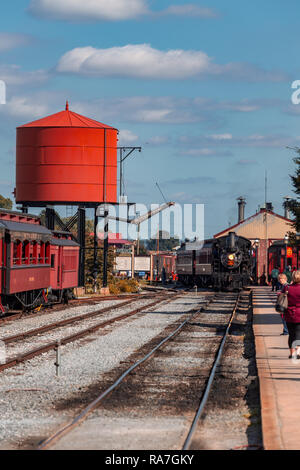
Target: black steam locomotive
[220, 263]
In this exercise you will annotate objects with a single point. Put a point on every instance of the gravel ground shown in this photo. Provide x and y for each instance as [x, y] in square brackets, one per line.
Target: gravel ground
[28, 323]
[232, 417]
[155, 405]
[29, 392]
[20, 347]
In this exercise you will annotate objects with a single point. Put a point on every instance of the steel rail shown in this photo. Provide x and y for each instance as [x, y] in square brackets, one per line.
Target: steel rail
[67, 321]
[93, 405]
[210, 380]
[73, 303]
[63, 341]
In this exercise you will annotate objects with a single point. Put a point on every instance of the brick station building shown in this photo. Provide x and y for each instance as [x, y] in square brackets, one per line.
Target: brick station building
[263, 229]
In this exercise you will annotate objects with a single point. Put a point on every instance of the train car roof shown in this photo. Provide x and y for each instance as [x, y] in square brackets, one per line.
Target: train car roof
[63, 242]
[196, 245]
[24, 227]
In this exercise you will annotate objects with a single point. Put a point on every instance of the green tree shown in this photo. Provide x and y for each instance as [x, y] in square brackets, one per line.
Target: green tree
[294, 204]
[166, 243]
[6, 202]
[89, 258]
[143, 248]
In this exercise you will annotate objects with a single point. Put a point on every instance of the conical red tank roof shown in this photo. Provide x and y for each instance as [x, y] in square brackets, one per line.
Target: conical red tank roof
[67, 118]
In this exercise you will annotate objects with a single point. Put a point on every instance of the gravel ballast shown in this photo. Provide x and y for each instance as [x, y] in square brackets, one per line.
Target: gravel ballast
[29, 392]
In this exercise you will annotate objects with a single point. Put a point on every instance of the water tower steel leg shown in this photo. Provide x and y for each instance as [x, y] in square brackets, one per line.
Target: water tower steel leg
[105, 249]
[81, 241]
[50, 218]
[95, 268]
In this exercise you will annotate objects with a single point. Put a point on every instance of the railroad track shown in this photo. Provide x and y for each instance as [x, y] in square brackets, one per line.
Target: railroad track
[141, 370]
[15, 360]
[72, 304]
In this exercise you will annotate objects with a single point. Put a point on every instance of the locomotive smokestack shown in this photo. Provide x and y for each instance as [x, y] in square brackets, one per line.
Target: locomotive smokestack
[241, 205]
[286, 206]
[231, 241]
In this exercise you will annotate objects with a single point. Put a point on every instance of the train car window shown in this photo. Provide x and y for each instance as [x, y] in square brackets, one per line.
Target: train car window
[25, 252]
[17, 252]
[41, 256]
[34, 250]
[52, 261]
[47, 253]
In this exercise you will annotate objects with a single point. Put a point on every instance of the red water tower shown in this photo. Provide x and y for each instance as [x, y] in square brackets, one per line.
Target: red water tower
[66, 159]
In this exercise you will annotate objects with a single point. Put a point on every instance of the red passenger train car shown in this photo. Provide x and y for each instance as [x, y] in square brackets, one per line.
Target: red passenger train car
[38, 266]
[281, 255]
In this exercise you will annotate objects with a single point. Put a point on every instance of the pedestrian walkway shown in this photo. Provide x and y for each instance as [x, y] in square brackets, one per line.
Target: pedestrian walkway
[279, 376]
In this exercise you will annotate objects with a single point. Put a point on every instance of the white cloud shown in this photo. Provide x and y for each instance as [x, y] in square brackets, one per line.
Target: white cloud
[205, 152]
[79, 10]
[25, 107]
[135, 61]
[221, 136]
[21, 107]
[11, 40]
[189, 9]
[144, 109]
[127, 137]
[164, 110]
[248, 141]
[120, 112]
[14, 75]
[141, 61]
[111, 10]
[158, 140]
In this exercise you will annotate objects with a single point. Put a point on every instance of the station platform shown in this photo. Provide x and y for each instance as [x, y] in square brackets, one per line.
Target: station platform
[279, 376]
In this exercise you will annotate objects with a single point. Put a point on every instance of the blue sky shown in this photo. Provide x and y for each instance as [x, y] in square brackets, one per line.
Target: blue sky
[203, 87]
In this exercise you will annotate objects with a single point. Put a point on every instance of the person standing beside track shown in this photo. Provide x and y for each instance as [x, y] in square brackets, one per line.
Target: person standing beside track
[292, 315]
[282, 279]
[274, 278]
[288, 274]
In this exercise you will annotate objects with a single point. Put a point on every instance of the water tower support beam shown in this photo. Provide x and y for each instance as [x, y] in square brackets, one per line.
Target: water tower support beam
[50, 218]
[95, 268]
[81, 241]
[105, 249]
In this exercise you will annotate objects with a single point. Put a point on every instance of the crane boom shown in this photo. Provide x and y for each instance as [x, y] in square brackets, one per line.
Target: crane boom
[142, 218]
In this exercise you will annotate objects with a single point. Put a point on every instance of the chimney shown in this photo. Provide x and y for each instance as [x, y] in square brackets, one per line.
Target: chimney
[269, 206]
[241, 213]
[286, 206]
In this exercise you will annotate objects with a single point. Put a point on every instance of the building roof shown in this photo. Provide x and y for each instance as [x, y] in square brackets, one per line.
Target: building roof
[114, 238]
[252, 226]
[6, 214]
[24, 227]
[63, 242]
[67, 118]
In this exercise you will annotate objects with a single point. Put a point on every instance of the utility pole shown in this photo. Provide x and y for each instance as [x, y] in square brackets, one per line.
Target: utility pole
[105, 250]
[157, 252]
[123, 156]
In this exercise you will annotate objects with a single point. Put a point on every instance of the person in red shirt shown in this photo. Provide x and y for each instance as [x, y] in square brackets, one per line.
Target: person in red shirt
[292, 315]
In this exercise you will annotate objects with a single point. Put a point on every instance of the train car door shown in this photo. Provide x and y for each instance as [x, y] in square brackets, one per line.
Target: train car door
[59, 267]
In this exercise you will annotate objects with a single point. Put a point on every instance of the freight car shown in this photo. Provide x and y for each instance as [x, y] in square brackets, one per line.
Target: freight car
[220, 263]
[38, 266]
